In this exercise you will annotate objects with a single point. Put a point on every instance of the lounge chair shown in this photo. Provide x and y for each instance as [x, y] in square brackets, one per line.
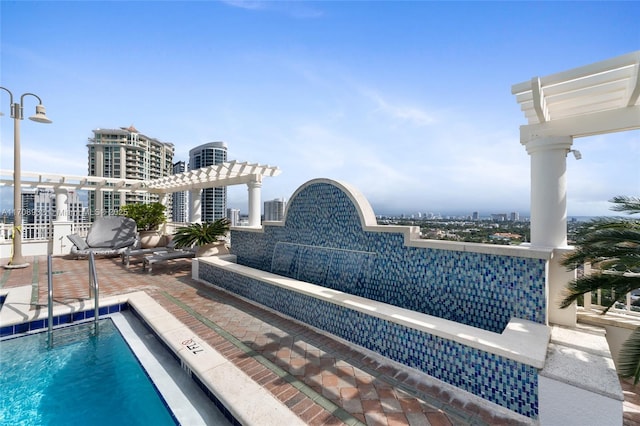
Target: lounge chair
[139, 252]
[163, 256]
[108, 236]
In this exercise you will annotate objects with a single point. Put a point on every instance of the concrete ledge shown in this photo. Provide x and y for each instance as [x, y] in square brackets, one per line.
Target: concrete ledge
[579, 384]
[630, 322]
[522, 341]
[17, 306]
[581, 357]
[249, 402]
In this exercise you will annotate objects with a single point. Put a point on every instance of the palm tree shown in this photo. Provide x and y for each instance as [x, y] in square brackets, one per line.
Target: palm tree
[612, 246]
[198, 234]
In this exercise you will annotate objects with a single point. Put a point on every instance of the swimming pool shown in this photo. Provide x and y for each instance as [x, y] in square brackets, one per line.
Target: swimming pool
[186, 399]
[83, 377]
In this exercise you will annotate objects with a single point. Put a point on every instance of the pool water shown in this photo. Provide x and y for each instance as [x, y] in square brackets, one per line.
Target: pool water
[82, 377]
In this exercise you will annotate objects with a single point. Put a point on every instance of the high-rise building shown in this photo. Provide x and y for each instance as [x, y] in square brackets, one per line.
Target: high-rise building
[180, 209]
[28, 205]
[514, 216]
[274, 209]
[234, 217]
[39, 206]
[125, 153]
[499, 217]
[213, 202]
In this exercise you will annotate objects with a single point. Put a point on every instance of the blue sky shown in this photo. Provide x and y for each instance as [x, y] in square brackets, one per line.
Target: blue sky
[410, 102]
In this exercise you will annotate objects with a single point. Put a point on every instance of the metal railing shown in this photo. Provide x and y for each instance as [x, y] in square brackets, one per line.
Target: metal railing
[94, 287]
[94, 291]
[50, 297]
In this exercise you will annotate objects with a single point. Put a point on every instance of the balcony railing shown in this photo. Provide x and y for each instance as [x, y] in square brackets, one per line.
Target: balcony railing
[39, 231]
[30, 231]
[594, 300]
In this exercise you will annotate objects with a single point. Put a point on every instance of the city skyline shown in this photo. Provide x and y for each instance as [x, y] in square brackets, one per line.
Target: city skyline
[409, 102]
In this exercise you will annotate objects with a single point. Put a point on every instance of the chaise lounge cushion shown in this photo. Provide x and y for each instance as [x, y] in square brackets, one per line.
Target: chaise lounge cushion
[112, 232]
[80, 243]
[108, 235]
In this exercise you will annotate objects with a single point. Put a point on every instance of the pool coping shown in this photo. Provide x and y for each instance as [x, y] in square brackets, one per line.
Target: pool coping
[246, 401]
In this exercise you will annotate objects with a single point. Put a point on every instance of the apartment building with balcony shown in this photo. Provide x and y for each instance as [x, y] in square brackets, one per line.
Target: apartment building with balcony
[128, 154]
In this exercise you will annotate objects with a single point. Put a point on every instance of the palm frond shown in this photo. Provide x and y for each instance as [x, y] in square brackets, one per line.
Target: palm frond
[619, 283]
[607, 238]
[629, 357]
[197, 234]
[626, 204]
[612, 246]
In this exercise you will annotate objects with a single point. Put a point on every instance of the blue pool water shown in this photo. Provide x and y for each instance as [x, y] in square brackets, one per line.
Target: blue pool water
[81, 378]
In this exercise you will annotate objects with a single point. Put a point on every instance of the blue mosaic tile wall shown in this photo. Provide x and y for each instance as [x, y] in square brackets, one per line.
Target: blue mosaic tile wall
[503, 381]
[322, 242]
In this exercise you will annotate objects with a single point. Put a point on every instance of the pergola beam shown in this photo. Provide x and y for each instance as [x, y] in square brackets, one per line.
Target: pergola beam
[607, 85]
[635, 93]
[597, 123]
[225, 174]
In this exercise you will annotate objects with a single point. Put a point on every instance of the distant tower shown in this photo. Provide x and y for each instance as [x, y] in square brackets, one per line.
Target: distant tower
[274, 209]
[515, 216]
[125, 153]
[28, 205]
[180, 211]
[76, 211]
[213, 202]
[234, 217]
[475, 216]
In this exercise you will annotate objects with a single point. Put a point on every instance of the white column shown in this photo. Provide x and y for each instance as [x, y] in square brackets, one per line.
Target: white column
[549, 218]
[62, 207]
[195, 206]
[164, 200]
[60, 245]
[99, 206]
[254, 201]
[549, 190]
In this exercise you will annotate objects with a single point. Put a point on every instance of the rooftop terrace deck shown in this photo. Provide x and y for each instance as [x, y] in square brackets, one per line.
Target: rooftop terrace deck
[320, 379]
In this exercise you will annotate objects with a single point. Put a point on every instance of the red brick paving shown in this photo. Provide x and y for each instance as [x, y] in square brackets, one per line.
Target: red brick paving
[353, 385]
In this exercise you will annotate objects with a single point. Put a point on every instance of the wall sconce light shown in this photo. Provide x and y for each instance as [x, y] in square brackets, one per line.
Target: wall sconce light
[577, 154]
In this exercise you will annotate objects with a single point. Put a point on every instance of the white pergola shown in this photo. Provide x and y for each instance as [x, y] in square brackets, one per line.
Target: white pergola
[600, 98]
[224, 174]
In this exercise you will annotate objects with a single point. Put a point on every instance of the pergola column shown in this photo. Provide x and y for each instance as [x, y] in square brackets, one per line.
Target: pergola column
[61, 224]
[253, 188]
[163, 199]
[62, 207]
[195, 206]
[549, 217]
[99, 205]
[549, 190]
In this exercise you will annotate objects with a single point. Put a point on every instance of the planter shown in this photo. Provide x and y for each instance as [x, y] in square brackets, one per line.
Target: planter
[150, 239]
[212, 249]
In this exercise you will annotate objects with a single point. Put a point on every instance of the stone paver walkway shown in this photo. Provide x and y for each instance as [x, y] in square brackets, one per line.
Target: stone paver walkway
[324, 381]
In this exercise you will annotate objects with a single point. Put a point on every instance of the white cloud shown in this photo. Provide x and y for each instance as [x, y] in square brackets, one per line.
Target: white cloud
[405, 113]
[295, 9]
[246, 4]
